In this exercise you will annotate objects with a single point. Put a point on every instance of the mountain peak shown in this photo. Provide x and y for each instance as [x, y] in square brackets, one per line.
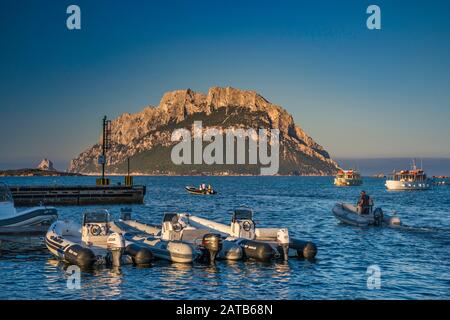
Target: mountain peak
[221, 107]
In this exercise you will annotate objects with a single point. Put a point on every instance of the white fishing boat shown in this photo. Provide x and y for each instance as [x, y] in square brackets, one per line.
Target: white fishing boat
[350, 214]
[414, 179]
[24, 228]
[348, 178]
[93, 243]
[176, 240]
[258, 243]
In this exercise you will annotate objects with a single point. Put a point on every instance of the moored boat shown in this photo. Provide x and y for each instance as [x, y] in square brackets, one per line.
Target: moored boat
[149, 236]
[414, 179]
[258, 243]
[200, 244]
[347, 178]
[20, 227]
[93, 243]
[349, 214]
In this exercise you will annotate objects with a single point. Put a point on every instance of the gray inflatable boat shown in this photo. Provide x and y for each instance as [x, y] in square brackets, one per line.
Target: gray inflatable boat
[349, 214]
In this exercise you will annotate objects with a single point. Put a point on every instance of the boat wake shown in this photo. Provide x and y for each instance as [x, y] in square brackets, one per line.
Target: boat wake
[422, 229]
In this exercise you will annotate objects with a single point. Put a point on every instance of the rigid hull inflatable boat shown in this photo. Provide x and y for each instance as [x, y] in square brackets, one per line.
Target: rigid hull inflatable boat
[148, 236]
[349, 214]
[176, 226]
[24, 228]
[93, 243]
[258, 243]
[175, 229]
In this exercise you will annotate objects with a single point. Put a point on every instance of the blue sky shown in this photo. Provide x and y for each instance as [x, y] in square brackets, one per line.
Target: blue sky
[359, 93]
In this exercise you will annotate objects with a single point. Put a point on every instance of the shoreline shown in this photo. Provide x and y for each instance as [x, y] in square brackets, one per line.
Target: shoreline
[37, 173]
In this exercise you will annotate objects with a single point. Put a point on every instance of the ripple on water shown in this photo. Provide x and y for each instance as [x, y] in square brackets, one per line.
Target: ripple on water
[413, 262]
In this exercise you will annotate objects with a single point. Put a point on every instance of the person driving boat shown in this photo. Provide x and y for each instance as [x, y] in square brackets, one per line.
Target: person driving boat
[365, 203]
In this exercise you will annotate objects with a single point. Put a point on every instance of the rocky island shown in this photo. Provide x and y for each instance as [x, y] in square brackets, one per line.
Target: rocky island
[44, 169]
[145, 137]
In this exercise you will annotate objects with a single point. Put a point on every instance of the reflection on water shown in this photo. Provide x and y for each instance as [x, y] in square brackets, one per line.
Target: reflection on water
[413, 260]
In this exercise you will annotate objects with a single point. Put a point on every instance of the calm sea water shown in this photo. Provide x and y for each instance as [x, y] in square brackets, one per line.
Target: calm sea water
[414, 263]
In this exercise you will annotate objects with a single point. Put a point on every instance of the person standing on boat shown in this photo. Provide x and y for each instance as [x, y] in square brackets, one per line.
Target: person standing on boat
[364, 203]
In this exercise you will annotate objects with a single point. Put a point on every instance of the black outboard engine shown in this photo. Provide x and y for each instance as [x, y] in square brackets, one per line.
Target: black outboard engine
[212, 242]
[378, 217]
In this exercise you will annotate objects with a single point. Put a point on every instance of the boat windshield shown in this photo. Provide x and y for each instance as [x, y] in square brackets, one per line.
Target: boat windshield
[98, 216]
[243, 214]
[5, 193]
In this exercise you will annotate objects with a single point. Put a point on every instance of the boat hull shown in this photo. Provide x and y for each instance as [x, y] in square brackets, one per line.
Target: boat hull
[265, 246]
[405, 186]
[196, 191]
[348, 214]
[63, 240]
[146, 235]
[34, 221]
[347, 182]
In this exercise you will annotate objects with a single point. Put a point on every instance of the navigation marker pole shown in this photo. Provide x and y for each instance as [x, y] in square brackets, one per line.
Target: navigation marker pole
[106, 145]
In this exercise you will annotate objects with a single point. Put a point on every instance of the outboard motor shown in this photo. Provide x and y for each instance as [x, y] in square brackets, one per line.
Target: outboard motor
[116, 246]
[283, 242]
[212, 242]
[378, 217]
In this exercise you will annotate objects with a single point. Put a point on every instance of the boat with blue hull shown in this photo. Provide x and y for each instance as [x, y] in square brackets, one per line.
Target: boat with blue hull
[28, 222]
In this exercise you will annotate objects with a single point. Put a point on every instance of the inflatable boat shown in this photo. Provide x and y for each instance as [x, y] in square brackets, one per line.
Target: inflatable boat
[258, 243]
[20, 227]
[194, 190]
[175, 230]
[93, 243]
[148, 236]
[349, 214]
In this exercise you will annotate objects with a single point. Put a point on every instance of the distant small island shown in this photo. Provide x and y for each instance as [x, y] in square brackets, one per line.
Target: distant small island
[35, 173]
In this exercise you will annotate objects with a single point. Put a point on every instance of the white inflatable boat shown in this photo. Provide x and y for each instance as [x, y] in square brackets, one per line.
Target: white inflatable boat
[258, 243]
[19, 227]
[175, 230]
[349, 214]
[93, 243]
[148, 236]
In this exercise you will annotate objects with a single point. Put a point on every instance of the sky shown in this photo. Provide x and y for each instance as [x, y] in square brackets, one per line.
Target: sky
[360, 93]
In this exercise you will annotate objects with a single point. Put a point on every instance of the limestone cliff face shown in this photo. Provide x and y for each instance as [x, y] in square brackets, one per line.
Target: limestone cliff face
[46, 165]
[144, 137]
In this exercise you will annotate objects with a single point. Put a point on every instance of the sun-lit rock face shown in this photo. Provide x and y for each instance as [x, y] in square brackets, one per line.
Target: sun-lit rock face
[137, 136]
[46, 165]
